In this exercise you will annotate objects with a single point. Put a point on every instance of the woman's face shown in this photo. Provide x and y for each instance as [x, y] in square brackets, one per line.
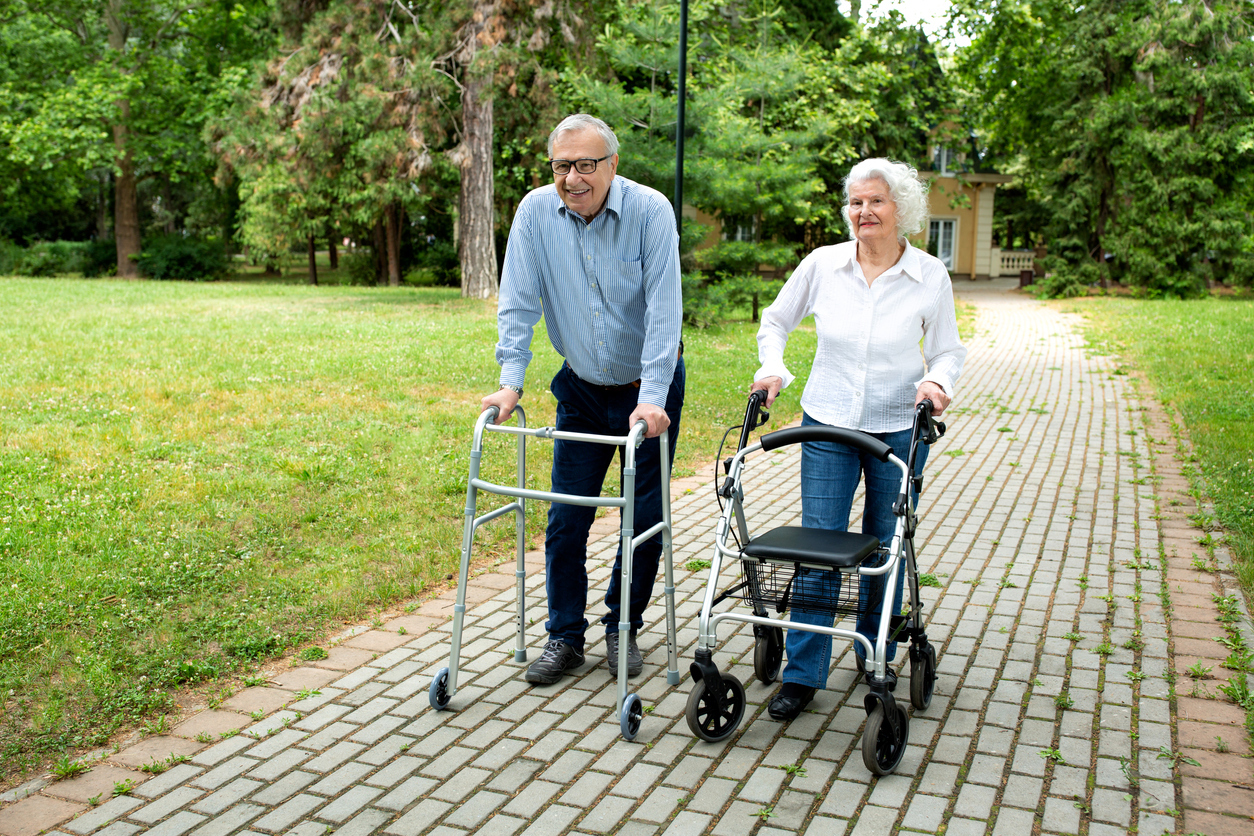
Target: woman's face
[872, 212]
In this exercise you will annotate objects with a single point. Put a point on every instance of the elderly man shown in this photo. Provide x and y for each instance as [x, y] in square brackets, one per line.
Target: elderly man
[598, 255]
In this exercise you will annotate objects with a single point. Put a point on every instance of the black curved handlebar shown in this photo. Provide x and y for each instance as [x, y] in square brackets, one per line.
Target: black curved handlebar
[840, 435]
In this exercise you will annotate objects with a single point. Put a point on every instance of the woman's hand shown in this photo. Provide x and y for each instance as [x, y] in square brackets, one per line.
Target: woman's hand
[771, 385]
[930, 391]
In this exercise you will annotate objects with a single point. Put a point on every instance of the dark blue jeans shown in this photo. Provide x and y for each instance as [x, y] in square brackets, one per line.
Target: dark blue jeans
[579, 468]
[829, 476]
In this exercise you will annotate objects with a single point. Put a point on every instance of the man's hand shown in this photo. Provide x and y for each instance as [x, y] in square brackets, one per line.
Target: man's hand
[930, 391]
[504, 400]
[770, 385]
[654, 416]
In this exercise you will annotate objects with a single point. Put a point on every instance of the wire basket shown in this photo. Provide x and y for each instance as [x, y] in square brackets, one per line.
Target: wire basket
[792, 586]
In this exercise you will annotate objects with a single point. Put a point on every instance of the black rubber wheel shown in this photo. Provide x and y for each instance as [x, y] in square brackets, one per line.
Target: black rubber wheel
[922, 677]
[768, 654]
[705, 721]
[881, 749]
[633, 713]
[438, 692]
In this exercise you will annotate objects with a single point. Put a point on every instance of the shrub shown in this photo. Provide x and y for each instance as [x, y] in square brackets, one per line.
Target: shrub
[10, 254]
[706, 302]
[358, 267]
[441, 262]
[180, 257]
[51, 258]
[100, 258]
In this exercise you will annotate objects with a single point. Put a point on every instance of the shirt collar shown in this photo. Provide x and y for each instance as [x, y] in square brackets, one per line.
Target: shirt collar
[613, 201]
[909, 263]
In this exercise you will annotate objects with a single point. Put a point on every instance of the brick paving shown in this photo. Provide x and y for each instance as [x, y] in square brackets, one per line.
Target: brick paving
[1072, 595]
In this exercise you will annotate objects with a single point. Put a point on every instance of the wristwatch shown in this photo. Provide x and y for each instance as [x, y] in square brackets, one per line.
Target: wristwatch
[517, 390]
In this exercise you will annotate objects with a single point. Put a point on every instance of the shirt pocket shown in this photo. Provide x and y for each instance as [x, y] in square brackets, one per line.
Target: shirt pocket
[624, 282]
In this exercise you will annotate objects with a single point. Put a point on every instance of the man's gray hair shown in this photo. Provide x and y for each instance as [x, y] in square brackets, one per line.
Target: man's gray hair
[583, 122]
[904, 186]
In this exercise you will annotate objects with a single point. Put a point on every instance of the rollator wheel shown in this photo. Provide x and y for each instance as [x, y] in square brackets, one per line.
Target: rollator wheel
[705, 720]
[629, 720]
[922, 677]
[768, 654]
[881, 749]
[439, 690]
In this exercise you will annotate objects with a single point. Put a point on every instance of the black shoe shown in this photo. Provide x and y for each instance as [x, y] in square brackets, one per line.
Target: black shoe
[635, 662]
[557, 658]
[790, 700]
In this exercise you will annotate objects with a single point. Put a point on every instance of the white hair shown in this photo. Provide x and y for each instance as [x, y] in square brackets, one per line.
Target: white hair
[583, 122]
[904, 186]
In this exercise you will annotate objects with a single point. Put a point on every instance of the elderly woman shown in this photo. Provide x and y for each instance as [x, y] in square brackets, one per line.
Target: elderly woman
[873, 299]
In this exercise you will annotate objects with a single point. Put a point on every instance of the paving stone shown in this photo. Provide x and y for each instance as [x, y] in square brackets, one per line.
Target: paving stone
[230, 820]
[166, 805]
[420, 818]
[177, 824]
[221, 799]
[114, 808]
[348, 803]
[288, 813]
[39, 813]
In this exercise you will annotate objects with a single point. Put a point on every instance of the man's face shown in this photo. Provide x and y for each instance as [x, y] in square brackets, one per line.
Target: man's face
[584, 193]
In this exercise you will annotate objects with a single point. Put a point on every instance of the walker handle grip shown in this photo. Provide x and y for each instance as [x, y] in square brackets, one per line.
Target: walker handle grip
[839, 435]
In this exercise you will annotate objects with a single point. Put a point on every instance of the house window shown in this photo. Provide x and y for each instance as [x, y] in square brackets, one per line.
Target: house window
[941, 235]
[945, 161]
[739, 228]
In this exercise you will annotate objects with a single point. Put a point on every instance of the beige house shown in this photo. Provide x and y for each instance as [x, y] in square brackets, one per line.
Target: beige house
[959, 230]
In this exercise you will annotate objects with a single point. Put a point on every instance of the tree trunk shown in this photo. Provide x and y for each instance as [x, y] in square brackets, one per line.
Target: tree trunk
[126, 194]
[313, 260]
[333, 252]
[477, 243]
[392, 217]
[125, 201]
[380, 252]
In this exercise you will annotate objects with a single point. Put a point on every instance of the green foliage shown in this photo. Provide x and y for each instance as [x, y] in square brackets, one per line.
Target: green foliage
[57, 258]
[180, 257]
[1143, 174]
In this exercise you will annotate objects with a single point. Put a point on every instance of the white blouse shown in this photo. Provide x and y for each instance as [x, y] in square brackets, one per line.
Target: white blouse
[868, 365]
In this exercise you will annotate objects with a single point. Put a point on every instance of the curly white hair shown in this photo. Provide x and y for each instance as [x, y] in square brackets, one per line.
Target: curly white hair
[905, 187]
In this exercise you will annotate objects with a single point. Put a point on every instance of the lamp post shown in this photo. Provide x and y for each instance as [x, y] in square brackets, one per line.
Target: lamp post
[679, 135]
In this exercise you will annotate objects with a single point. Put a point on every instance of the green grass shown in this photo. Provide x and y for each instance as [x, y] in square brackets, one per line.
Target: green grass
[195, 477]
[1199, 356]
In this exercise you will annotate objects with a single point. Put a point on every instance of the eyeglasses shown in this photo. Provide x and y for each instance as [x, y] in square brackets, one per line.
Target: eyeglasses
[584, 166]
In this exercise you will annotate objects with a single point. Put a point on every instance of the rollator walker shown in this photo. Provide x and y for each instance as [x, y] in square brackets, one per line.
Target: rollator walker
[629, 708]
[802, 568]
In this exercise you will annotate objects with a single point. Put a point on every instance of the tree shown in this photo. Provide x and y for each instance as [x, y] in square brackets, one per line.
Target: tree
[117, 99]
[1121, 118]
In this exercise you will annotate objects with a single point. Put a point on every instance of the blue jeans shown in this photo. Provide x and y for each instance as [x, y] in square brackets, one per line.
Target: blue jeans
[579, 468]
[829, 476]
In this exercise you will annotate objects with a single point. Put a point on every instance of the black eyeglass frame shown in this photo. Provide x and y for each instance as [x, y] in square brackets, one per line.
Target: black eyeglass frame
[575, 165]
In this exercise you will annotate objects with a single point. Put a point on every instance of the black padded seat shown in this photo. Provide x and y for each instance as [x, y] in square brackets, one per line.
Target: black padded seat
[813, 547]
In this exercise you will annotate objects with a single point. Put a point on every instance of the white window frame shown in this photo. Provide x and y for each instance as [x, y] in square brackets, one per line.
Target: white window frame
[939, 225]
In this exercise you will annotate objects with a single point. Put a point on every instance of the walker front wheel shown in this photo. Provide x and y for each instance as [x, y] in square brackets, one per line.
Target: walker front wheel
[707, 718]
[768, 653]
[882, 748]
[922, 676]
[438, 692]
[629, 720]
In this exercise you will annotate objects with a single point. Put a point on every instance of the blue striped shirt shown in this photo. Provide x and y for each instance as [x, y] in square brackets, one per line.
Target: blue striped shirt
[609, 289]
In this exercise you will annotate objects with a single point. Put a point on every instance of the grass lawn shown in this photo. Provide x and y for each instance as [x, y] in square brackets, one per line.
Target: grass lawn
[1199, 355]
[195, 477]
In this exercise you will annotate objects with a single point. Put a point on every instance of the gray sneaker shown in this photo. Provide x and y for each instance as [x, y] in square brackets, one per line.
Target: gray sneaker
[557, 658]
[635, 662]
